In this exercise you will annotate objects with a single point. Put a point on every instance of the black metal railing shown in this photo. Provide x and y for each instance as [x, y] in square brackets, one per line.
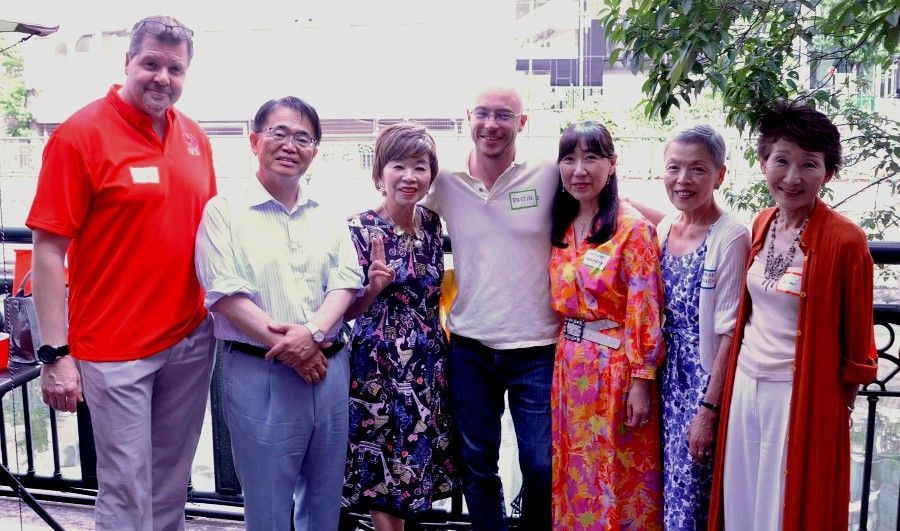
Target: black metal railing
[227, 493]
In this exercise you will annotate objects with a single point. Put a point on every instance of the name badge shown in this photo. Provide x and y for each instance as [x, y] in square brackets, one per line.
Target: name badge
[790, 283]
[523, 199]
[595, 260]
[148, 175]
[708, 279]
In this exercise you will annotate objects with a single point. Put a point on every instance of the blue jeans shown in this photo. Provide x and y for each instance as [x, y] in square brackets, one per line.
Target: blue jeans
[479, 376]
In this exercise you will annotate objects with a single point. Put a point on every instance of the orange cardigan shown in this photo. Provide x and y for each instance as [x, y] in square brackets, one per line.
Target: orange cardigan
[835, 351]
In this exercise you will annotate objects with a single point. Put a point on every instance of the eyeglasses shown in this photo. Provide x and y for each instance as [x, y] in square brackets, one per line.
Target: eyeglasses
[157, 28]
[482, 115]
[283, 136]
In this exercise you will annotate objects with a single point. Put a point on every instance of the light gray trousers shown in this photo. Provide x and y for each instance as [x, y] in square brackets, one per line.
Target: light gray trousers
[146, 416]
[288, 440]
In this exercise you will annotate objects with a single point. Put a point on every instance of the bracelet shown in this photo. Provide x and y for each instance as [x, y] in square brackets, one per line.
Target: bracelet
[712, 407]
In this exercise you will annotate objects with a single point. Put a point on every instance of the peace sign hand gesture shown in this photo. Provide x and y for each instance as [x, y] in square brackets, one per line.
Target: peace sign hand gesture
[380, 275]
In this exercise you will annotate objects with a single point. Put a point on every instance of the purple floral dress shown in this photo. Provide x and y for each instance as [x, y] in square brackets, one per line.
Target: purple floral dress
[400, 457]
[686, 484]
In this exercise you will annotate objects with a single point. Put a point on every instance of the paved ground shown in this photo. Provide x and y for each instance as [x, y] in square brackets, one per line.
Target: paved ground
[16, 517]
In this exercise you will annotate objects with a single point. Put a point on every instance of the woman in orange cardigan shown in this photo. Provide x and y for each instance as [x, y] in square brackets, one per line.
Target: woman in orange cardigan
[803, 344]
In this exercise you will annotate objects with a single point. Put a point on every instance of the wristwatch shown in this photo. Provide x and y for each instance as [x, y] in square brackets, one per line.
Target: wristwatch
[712, 407]
[317, 334]
[48, 354]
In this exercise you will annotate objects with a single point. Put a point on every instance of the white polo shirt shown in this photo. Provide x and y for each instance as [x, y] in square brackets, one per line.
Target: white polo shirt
[501, 249]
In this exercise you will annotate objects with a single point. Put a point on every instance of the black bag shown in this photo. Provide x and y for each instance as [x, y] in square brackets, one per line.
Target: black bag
[22, 326]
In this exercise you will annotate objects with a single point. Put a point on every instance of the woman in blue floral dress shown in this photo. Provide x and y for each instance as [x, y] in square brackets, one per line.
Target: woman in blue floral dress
[704, 253]
[400, 457]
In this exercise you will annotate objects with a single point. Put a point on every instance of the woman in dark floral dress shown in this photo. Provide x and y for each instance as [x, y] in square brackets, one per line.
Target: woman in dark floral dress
[400, 457]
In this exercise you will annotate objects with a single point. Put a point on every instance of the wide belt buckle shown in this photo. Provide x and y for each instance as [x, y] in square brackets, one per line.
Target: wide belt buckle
[573, 329]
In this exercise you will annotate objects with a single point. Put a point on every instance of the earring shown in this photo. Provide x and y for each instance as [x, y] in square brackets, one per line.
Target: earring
[381, 186]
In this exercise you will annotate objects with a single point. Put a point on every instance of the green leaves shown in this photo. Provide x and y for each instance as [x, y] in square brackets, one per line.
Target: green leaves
[755, 52]
[15, 118]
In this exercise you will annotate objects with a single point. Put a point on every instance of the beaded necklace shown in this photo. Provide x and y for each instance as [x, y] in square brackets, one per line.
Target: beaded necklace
[776, 265]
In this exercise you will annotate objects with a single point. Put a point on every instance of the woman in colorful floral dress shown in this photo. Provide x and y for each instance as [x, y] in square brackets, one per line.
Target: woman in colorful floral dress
[606, 284]
[400, 457]
[704, 252]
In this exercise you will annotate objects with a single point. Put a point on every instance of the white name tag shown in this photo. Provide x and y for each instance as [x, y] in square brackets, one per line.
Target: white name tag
[148, 175]
[595, 260]
[523, 199]
[708, 279]
[790, 283]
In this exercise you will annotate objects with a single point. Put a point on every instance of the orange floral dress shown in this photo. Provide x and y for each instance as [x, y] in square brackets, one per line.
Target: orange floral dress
[605, 475]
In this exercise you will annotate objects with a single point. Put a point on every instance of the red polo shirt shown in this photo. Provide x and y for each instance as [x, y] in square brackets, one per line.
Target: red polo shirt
[131, 205]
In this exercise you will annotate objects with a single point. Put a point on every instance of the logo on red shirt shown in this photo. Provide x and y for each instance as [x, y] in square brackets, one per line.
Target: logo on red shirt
[193, 146]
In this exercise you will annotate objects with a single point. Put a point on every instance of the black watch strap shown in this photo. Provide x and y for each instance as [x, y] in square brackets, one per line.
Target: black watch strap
[712, 407]
[48, 354]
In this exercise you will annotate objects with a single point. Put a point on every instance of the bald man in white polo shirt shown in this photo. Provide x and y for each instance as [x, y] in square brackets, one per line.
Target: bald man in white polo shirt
[497, 211]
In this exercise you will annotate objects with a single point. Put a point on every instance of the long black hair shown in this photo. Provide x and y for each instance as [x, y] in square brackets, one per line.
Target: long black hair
[594, 137]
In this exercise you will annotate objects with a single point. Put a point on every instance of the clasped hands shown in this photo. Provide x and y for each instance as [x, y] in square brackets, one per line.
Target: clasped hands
[299, 351]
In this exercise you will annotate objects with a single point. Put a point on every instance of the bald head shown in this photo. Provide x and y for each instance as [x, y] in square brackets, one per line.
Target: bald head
[506, 93]
[495, 119]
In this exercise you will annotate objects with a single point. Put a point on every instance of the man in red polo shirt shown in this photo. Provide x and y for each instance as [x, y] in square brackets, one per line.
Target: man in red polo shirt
[122, 189]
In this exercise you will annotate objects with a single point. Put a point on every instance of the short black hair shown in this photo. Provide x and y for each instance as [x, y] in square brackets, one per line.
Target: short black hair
[291, 102]
[803, 125]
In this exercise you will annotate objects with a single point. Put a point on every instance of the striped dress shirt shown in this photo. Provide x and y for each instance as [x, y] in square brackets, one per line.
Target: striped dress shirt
[284, 261]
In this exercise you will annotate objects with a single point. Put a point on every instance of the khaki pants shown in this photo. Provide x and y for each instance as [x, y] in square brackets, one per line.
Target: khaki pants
[146, 416]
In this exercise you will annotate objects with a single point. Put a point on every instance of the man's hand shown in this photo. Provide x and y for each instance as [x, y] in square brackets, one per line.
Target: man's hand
[299, 351]
[701, 434]
[61, 385]
[296, 344]
[315, 369]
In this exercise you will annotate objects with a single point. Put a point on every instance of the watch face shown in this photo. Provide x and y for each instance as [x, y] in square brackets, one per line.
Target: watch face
[317, 334]
[46, 354]
[49, 354]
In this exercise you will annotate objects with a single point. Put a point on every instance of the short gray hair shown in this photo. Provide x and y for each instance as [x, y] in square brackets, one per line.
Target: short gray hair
[164, 29]
[707, 137]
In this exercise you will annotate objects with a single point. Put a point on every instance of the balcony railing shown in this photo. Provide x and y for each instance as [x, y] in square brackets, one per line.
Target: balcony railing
[875, 442]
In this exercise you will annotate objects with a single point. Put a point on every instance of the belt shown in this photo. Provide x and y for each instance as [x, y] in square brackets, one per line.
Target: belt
[260, 352]
[578, 329]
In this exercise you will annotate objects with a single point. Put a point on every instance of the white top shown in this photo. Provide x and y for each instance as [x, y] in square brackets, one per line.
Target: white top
[770, 337]
[501, 251]
[284, 261]
[722, 284]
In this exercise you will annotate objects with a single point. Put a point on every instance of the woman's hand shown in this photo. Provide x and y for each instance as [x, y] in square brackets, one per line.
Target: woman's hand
[380, 275]
[701, 434]
[850, 392]
[637, 403]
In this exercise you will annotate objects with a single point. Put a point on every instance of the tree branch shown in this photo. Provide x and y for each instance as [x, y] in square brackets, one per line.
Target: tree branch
[863, 189]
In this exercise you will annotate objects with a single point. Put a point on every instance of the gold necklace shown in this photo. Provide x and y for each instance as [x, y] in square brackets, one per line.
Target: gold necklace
[416, 237]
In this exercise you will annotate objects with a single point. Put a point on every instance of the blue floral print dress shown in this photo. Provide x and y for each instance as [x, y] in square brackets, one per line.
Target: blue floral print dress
[401, 456]
[686, 484]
